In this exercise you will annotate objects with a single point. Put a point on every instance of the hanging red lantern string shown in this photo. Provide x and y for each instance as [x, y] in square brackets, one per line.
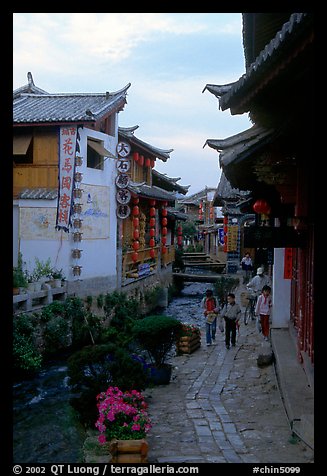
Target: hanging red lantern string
[164, 230]
[152, 223]
[179, 236]
[225, 220]
[136, 230]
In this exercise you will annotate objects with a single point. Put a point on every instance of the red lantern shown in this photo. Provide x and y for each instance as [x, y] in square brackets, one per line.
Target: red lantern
[152, 222]
[147, 162]
[164, 212]
[261, 206]
[152, 243]
[136, 234]
[153, 163]
[225, 220]
[225, 229]
[135, 256]
[164, 250]
[136, 156]
[152, 253]
[136, 245]
[135, 211]
[152, 232]
[179, 230]
[179, 240]
[164, 221]
[163, 240]
[141, 160]
[152, 203]
[164, 231]
[136, 200]
[136, 222]
[152, 212]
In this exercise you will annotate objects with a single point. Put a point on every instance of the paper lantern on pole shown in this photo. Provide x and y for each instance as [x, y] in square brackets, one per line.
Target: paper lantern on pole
[261, 206]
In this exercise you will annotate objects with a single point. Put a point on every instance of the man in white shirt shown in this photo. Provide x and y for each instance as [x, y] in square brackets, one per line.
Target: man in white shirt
[258, 282]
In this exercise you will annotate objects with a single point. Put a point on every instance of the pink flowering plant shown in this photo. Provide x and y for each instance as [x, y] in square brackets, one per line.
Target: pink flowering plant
[122, 415]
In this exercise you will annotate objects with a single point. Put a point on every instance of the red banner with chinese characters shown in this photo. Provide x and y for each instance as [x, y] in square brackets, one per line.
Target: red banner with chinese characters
[67, 150]
[288, 263]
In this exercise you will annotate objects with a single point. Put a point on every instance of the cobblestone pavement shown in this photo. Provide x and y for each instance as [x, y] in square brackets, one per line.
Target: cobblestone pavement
[221, 407]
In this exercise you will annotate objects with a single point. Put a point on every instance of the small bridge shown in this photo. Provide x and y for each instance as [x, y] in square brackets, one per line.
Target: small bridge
[200, 261]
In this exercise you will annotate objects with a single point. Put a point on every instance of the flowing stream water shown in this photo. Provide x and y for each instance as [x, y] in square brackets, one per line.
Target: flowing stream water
[45, 428]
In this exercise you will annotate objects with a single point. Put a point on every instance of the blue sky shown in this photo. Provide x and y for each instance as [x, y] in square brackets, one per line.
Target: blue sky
[167, 57]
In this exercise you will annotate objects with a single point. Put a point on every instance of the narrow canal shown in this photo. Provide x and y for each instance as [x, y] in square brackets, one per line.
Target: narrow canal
[45, 428]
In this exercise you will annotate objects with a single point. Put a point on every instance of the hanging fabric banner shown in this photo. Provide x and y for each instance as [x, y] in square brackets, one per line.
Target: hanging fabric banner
[67, 150]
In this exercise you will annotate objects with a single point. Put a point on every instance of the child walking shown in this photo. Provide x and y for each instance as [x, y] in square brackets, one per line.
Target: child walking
[231, 313]
[209, 304]
[263, 308]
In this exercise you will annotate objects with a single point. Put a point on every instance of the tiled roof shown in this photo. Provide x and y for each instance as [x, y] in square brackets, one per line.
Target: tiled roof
[34, 108]
[38, 194]
[170, 182]
[128, 134]
[225, 93]
[144, 190]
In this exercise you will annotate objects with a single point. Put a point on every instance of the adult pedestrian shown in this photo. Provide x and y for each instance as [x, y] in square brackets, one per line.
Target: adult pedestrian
[247, 266]
[258, 282]
[262, 310]
[210, 310]
[231, 312]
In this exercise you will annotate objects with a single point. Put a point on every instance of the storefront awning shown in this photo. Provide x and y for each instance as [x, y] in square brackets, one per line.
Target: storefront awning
[99, 148]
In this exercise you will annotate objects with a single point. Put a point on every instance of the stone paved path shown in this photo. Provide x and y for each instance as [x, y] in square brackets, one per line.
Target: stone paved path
[221, 407]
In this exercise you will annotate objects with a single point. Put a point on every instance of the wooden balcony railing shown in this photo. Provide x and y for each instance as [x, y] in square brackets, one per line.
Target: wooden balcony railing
[134, 269]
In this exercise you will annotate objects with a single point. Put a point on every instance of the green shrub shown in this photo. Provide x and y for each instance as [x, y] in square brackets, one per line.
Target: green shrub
[26, 357]
[156, 335]
[95, 368]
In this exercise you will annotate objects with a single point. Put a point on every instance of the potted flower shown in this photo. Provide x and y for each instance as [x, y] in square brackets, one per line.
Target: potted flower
[123, 422]
[157, 335]
[57, 276]
[42, 270]
[19, 280]
[189, 339]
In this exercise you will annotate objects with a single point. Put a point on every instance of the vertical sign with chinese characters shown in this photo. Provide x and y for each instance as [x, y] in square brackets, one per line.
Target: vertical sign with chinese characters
[288, 263]
[67, 149]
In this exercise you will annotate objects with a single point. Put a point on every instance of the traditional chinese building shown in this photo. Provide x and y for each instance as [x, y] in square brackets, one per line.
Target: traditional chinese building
[231, 201]
[200, 209]
[274, 160]
[148, 221]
